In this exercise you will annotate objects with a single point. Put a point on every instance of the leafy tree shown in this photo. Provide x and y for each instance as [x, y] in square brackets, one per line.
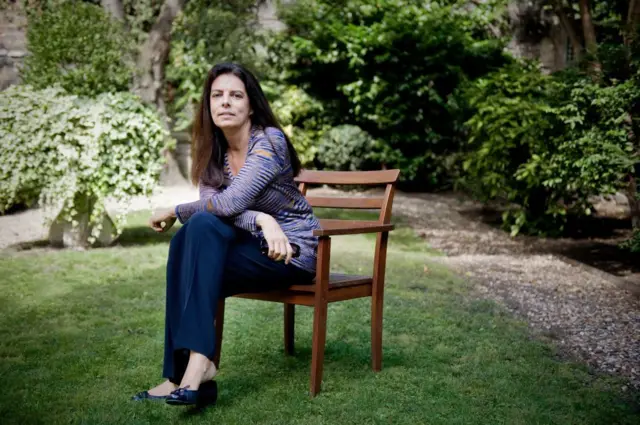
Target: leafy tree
[390, 67]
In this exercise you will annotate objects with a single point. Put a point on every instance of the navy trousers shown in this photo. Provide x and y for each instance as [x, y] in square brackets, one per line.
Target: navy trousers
[209, 259]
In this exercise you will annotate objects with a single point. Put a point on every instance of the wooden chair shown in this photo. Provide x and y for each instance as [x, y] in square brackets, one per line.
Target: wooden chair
[330, 287]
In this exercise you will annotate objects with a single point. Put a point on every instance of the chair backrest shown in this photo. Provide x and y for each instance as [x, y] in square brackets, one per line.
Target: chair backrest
[369, 178]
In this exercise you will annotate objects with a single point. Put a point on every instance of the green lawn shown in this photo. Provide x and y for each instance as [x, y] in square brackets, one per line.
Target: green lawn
[83, 331]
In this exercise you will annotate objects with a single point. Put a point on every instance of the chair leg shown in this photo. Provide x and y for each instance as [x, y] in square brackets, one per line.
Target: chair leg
[289, 328]
[376, 333]
[219, 328]
[319, 339]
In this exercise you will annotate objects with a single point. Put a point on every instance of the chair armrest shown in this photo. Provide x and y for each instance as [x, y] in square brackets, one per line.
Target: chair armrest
[332, 227]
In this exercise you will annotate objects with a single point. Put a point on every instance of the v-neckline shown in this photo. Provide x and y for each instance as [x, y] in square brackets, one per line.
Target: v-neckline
[227, 164]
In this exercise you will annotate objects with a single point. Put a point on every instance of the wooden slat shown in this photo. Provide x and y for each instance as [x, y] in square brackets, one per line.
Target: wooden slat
[337, 280]
[348, 177]
[343, 202]
[350, 293]
[350, 227]
[292, 297]
[280, 297]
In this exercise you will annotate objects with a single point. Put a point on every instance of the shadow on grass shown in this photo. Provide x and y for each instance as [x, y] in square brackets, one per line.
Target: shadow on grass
[131, 236]
[139, 236]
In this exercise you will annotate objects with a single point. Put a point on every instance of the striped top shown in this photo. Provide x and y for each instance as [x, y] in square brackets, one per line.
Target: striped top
[264, 184]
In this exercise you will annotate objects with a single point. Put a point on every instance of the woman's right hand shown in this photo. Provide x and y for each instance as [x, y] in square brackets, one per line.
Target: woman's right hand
[279, 247]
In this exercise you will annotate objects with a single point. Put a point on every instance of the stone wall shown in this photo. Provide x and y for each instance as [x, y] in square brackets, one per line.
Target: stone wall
[12, 46]
[545, 41]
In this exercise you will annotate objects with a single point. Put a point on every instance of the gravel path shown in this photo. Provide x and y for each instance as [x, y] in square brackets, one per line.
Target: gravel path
[589, 314]
[584, 311]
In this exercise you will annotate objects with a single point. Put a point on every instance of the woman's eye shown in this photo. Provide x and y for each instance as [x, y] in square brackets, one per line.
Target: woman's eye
[215, 95]
[238, 95]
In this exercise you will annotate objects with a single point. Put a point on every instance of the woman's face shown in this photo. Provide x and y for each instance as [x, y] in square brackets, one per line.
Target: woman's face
[229, 103]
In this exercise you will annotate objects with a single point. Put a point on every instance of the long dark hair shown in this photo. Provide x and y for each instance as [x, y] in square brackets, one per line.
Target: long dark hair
[208, 143]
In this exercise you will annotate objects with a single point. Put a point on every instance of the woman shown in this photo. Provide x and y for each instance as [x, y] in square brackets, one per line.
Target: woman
[244, 166]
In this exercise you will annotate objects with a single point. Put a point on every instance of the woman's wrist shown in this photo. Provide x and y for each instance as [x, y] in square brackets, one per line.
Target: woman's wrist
[261, 218]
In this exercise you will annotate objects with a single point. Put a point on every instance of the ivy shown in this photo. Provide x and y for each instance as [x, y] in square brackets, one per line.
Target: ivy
[58, 148]
[77, 46]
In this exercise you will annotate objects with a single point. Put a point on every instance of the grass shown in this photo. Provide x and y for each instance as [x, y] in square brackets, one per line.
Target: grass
[83, 331]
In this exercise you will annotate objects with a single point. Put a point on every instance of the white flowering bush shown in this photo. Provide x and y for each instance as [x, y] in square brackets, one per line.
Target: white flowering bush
[70, 153]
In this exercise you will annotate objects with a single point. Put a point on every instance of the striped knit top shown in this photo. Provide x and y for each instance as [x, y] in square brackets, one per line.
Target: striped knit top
[264, 184]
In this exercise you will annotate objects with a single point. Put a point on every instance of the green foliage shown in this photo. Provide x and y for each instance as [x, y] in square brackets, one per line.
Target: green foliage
[389, 67]
[546, 144]
[345, 148]
[206, 33]
[301, 116]
[633, 243]
[58, 148]
[140, 15]
[77, 46]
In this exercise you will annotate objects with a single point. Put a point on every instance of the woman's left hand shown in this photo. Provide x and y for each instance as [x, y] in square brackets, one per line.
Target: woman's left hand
[163, 220]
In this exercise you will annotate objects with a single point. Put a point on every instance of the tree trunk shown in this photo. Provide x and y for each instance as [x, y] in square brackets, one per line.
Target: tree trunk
[153, 56]
[633, 19]
[568, 27]
[587, 27]
[149, 78]
[115, 8]
[590, 41]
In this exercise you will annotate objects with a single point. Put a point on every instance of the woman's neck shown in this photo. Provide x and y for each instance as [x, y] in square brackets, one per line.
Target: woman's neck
[238, 138]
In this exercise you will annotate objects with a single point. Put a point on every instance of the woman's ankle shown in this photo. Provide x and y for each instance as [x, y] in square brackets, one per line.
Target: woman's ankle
[210, 373]
[163, 389]
[196, 371]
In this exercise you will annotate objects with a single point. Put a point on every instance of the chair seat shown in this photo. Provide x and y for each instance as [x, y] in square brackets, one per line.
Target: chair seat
[336, 280]
[341, 287]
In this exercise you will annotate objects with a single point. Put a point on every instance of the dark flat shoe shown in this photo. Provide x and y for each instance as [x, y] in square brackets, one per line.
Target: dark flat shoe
[144, 395]
[205, 395]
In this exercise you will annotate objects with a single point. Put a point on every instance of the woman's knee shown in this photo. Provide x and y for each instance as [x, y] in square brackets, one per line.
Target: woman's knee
[203, 221]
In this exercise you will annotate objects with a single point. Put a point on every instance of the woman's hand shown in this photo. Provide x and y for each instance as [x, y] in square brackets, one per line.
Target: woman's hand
[163, 220]
[279, 247]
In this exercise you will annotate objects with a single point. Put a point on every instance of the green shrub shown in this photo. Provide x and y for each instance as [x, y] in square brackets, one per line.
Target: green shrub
[345, 148]
[302, 117]
[77, 46]
[633, 243]
[391, 68]
[56, 147]
[545, 144]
